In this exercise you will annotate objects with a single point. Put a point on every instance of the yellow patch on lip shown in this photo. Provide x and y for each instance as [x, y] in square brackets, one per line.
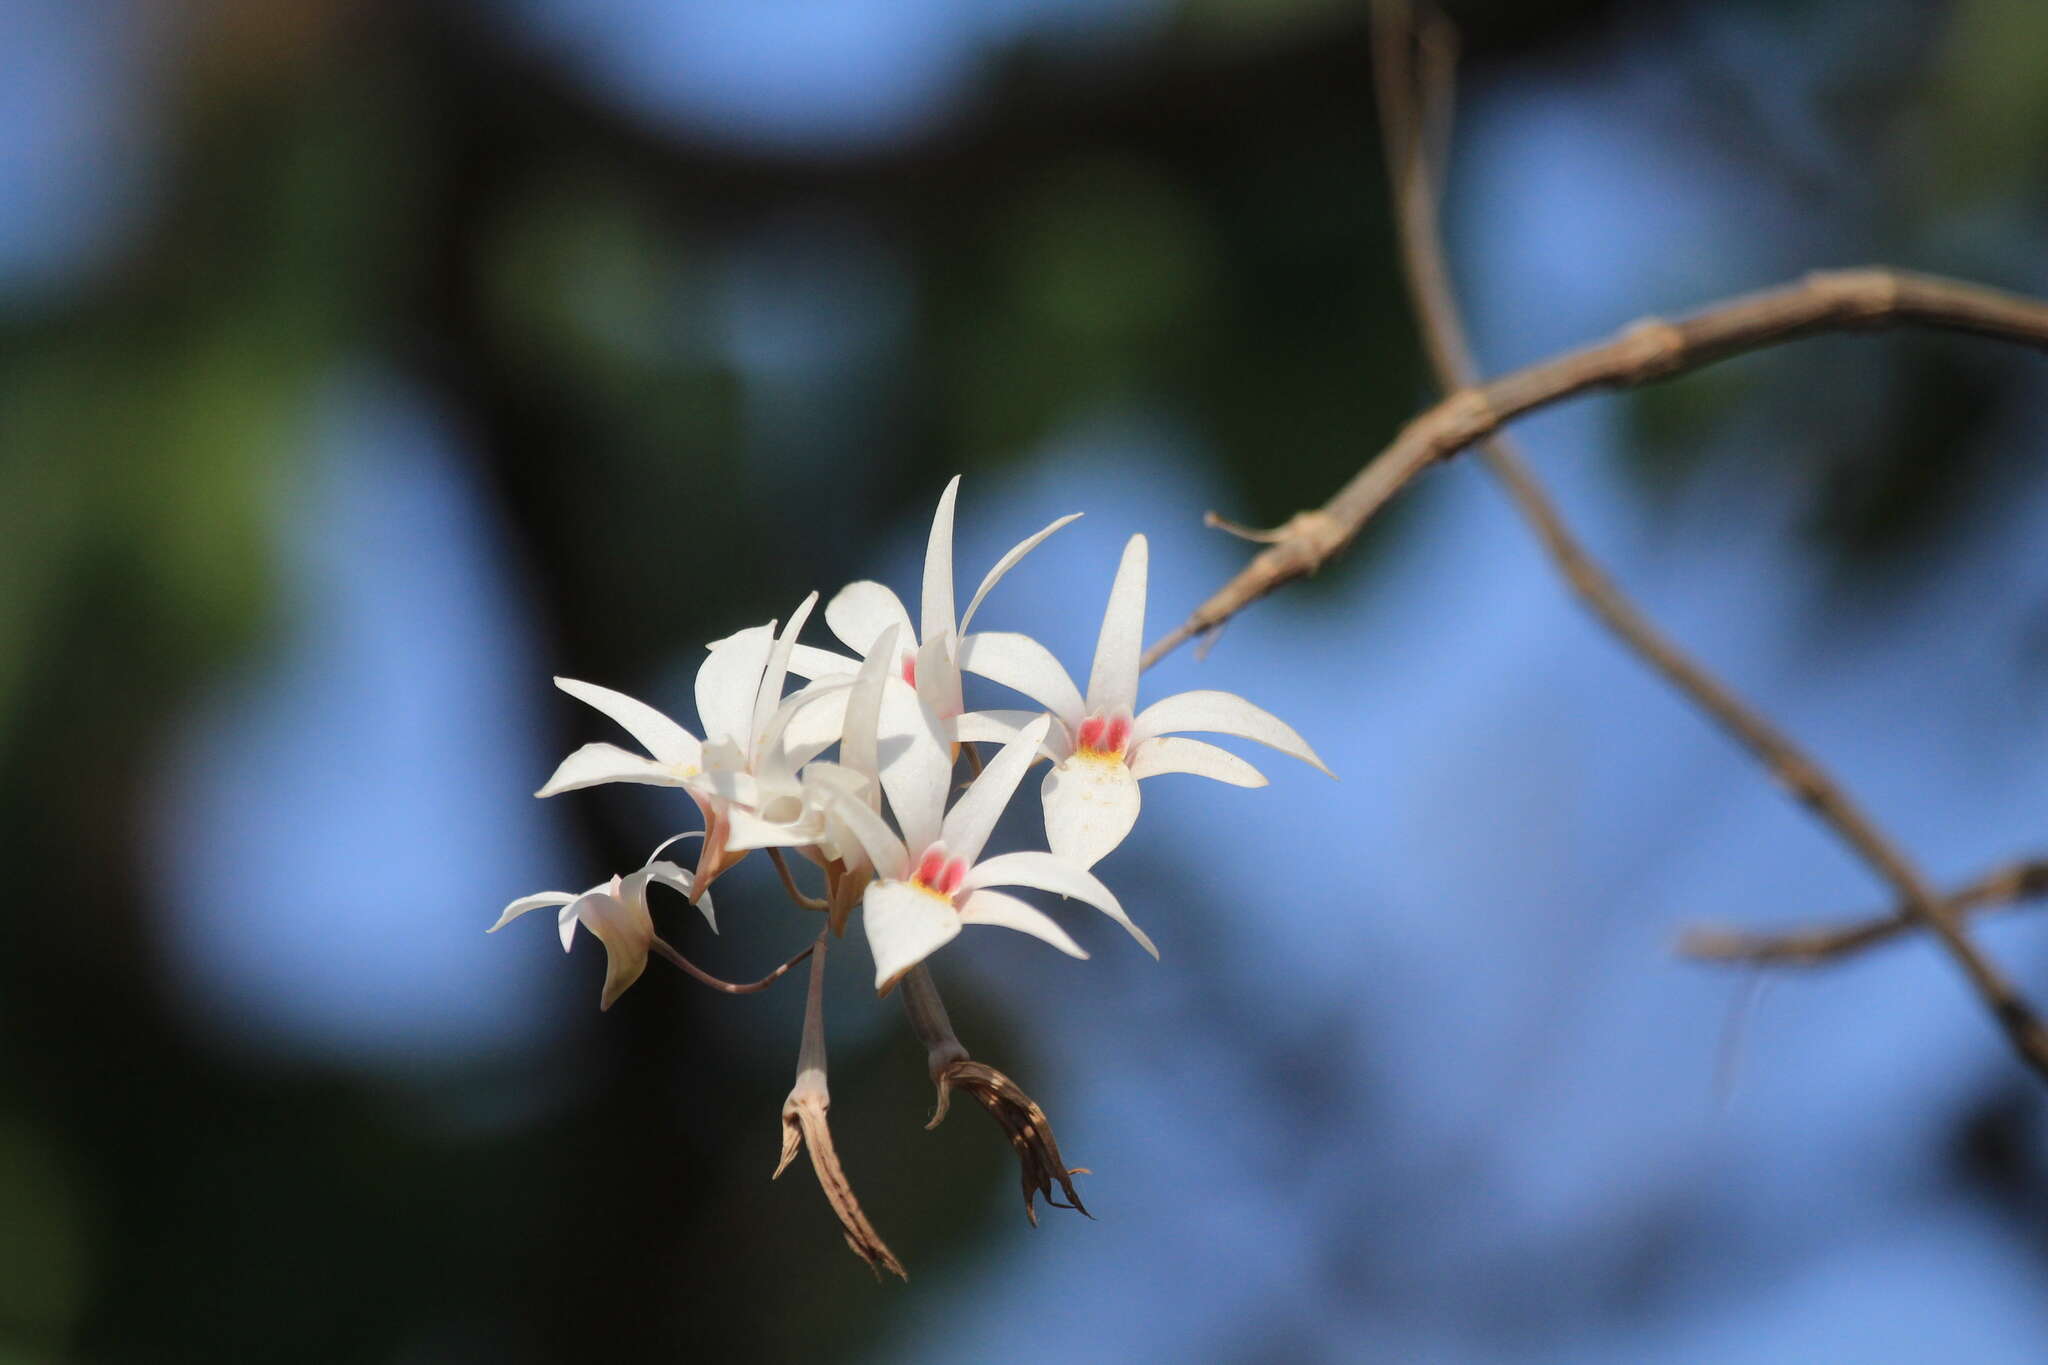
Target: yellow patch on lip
[1103, 756]
[931, 891]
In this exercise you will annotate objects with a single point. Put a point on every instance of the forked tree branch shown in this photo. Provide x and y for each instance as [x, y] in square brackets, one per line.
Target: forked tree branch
[1652, 349]
[1415, 107]
[2005, 888]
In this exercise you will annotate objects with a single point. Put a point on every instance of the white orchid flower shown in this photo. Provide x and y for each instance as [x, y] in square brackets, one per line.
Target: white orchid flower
[616, 912]
[932, 880]
[1104, 746]
[862, 613]
[748, 724]
[793, 809]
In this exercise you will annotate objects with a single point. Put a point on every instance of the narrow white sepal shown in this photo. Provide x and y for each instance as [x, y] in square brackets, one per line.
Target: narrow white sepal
[917, 763]
[1222, 713]
[1113, 681]
[768, 695]
[1022, 664]
[863, 715]
[526, 903]
[1050, 872]
[594, 764]
[967, 826]
[884, 849]
[729, 681]
[677, 879]
[669, 742]
[808, 661]
[1008, 562]
[1007, 912]
[936, 616]
[1000, 727]
[1170, 754]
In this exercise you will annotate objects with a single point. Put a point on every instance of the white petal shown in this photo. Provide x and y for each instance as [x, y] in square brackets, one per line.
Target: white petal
[596, 763]
[768, 699]
[938, 676]
[1113, 681]
[967, 826]
[1009, 562]
[993, 907]
[808, 661]
[660, 736]
[1221, 713]
[526, 903]
[1166, 754]
[861, 611]
[917, 764]
[840, 781]
[626, 931]
[827, 786]
[1090, 805]
[728, 785]
[729, 680]
[904, 926]
[1000, 727]
[884, 849]
[747, 830]
[565, 927]
[863, 715]
[669, 875]
[807, 723]
[1021, 663]
[937, 616]
[662, 847]
[1050, 872]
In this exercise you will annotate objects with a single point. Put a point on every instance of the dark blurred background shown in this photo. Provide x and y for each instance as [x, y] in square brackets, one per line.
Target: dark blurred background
[361, 365]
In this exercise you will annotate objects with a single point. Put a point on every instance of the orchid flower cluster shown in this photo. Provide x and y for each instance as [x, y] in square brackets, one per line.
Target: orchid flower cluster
[878, 817]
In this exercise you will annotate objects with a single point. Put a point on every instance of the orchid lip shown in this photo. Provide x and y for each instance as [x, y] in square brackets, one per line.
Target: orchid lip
[939, 874]
[1104, 736]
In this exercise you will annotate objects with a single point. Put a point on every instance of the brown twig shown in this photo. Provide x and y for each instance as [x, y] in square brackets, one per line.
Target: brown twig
[804, 1125]
[2006, 888]
[789, 884]
[667, 950]
[1415, 118]
[1652, 349]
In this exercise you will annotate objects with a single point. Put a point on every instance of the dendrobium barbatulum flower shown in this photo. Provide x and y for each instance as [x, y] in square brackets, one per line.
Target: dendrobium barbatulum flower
[933, 881]
[616, 913]
[1103, 745]
[747, 722]
[875, 814]
[927, 657]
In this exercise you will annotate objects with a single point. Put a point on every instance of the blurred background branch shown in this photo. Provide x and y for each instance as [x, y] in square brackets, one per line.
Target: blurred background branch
[1416, 112]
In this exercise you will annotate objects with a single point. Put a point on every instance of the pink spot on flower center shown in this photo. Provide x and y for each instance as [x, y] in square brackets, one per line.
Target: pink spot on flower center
[937, 872]
[910, 669]
[1106, 736]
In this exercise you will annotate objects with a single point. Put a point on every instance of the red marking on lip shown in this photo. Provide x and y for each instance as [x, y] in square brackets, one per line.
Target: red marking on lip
[910, 669]
[1106, 735]
[930, 868]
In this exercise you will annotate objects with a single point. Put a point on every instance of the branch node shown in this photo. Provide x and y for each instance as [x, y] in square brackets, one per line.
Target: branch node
[1655, 347]
[1463, 418]
[1870, 294]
